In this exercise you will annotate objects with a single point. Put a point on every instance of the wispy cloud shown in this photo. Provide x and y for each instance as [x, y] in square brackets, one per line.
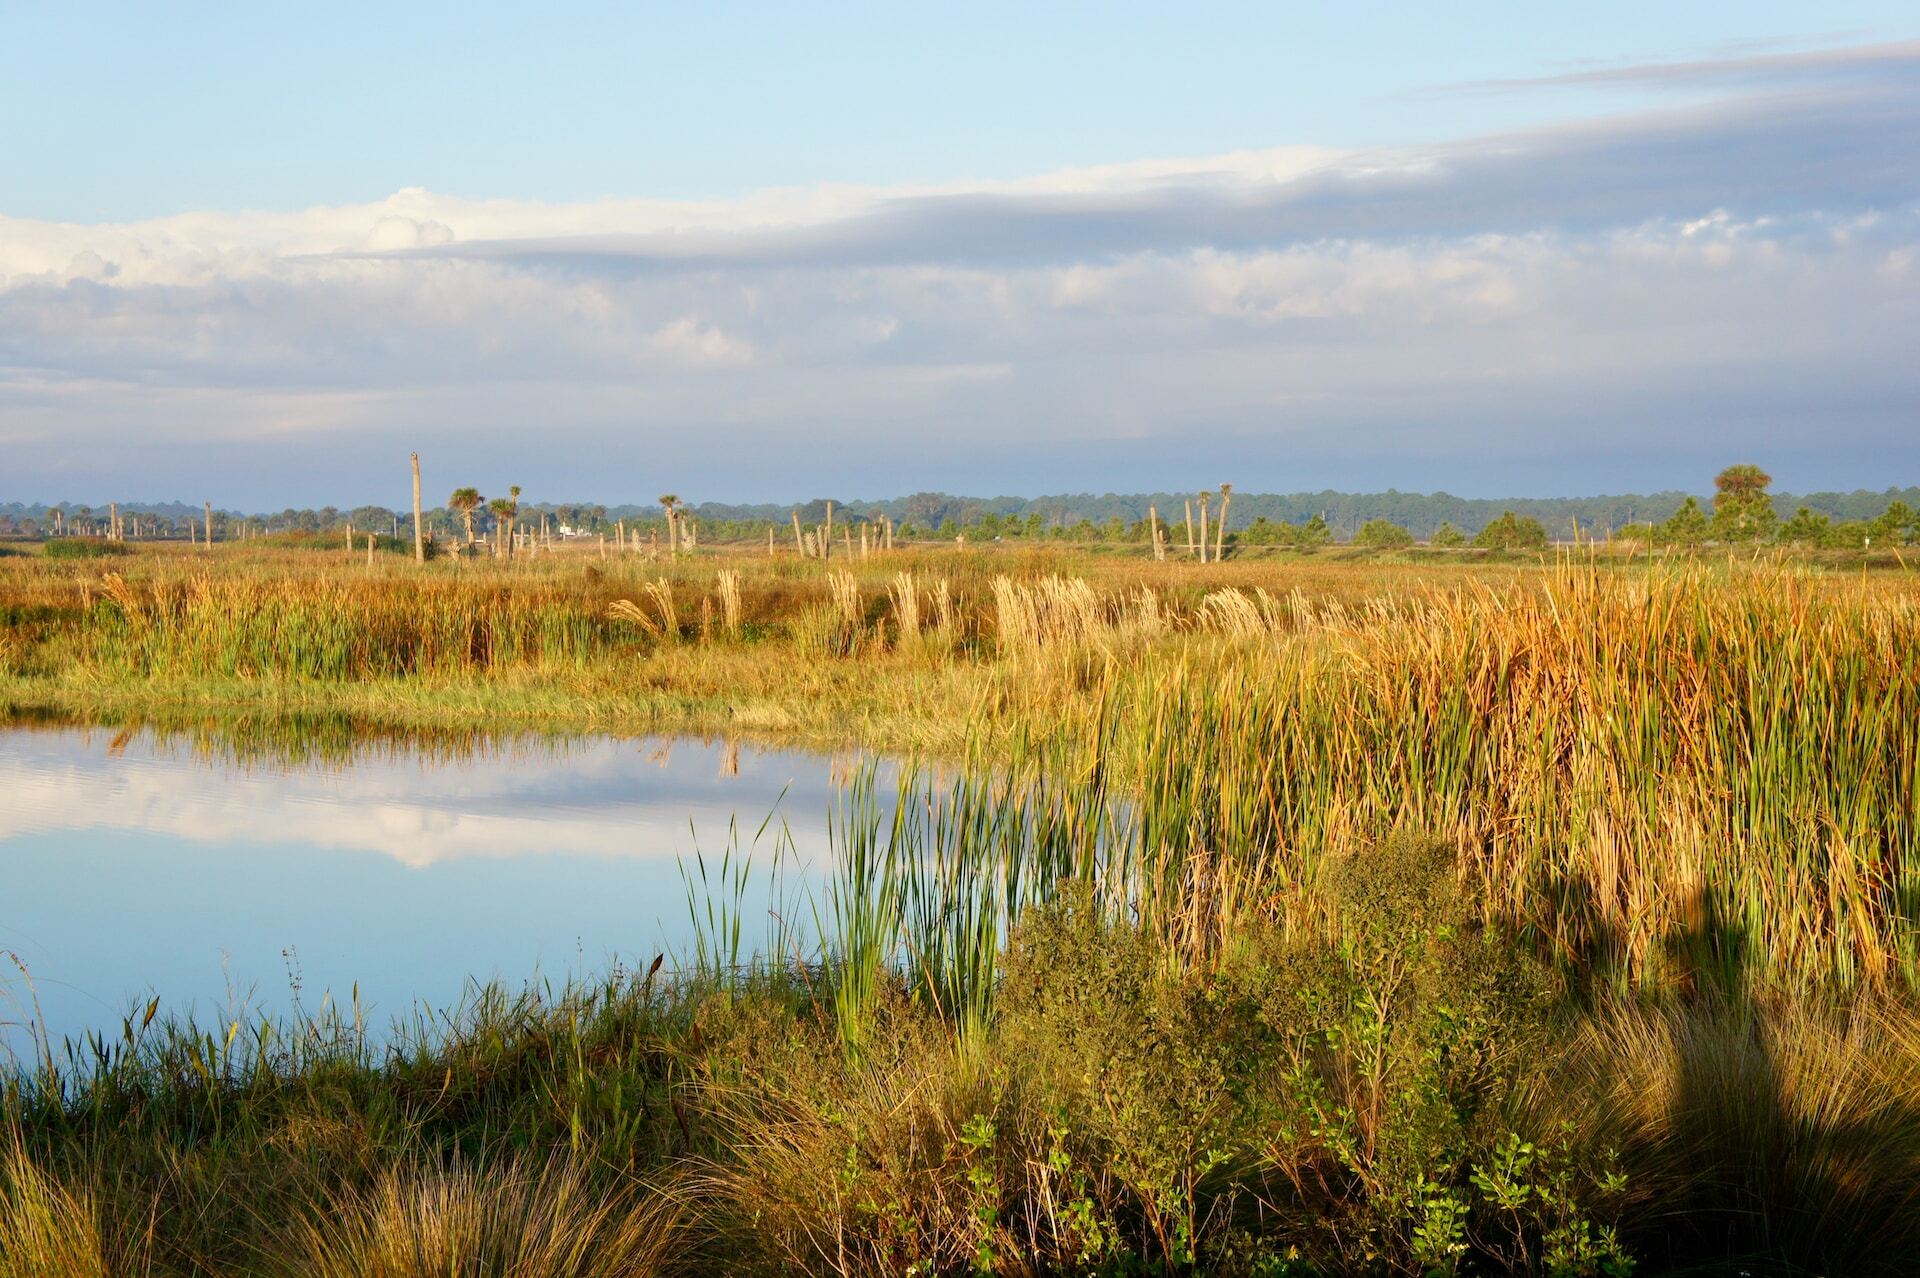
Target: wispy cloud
[1746, 63]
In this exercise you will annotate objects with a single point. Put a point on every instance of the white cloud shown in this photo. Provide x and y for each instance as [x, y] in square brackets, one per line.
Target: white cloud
[604, 799]
[1689, 263]
[396, 232]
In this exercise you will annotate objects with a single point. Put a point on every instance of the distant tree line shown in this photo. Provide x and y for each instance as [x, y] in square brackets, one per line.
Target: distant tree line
[1741, 510]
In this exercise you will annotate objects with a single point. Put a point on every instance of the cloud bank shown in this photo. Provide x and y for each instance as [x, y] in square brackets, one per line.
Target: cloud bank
[1604, 303]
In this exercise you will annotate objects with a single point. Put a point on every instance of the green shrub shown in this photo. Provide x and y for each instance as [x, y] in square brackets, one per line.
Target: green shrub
[1447, 536]
[1687, 526]
[85, 548]
[1512, 532]
[1347, 1100]
[1382, 534]
[1149, 1071]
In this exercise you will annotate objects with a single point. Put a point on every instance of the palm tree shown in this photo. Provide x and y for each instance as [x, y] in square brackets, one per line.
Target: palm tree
[503, 511]
[670, 503]
[466, 501]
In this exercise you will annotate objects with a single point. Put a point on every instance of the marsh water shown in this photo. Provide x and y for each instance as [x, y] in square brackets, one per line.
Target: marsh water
[235, 882]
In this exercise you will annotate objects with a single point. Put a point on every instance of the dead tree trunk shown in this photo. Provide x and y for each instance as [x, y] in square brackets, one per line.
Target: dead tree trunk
[419, 533]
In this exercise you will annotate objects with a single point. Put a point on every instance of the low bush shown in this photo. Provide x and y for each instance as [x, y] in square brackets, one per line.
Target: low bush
[85, 548]
[1512, 532]
[1382, 534]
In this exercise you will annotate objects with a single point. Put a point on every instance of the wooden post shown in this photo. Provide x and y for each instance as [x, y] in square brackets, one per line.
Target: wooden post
[603, 545]
[623, 534]
[799, 542]
[769, 541]
[369, 551]
[826, 544]
[419, 533]
[889, 532]
[349, 536]
[1203, 527]
[1189, 527]
[1153, 532]
[1220, 537]
[209, 506]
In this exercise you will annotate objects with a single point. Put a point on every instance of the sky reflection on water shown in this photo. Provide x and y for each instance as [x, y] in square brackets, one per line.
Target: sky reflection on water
[132, 866]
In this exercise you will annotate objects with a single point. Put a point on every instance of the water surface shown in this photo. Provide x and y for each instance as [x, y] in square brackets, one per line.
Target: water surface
[133, 865]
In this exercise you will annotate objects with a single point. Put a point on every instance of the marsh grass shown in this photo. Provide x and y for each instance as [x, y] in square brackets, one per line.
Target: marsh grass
[512, 1219]
[1245, 919]
[47, 1230]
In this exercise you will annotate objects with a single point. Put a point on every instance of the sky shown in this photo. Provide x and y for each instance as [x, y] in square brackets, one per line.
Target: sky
[257, 256]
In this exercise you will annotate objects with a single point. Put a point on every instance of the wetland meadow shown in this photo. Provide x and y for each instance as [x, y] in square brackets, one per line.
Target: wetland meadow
[944, 909]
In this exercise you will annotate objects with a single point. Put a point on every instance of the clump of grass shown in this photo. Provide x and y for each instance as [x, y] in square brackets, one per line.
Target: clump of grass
[727, 584]
[85, 548]
[1770, 1131]
[517, 1219]
[905, 596]
[46, 1229]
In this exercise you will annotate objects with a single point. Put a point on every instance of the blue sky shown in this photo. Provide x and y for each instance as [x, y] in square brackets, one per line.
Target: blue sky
[755, 252]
